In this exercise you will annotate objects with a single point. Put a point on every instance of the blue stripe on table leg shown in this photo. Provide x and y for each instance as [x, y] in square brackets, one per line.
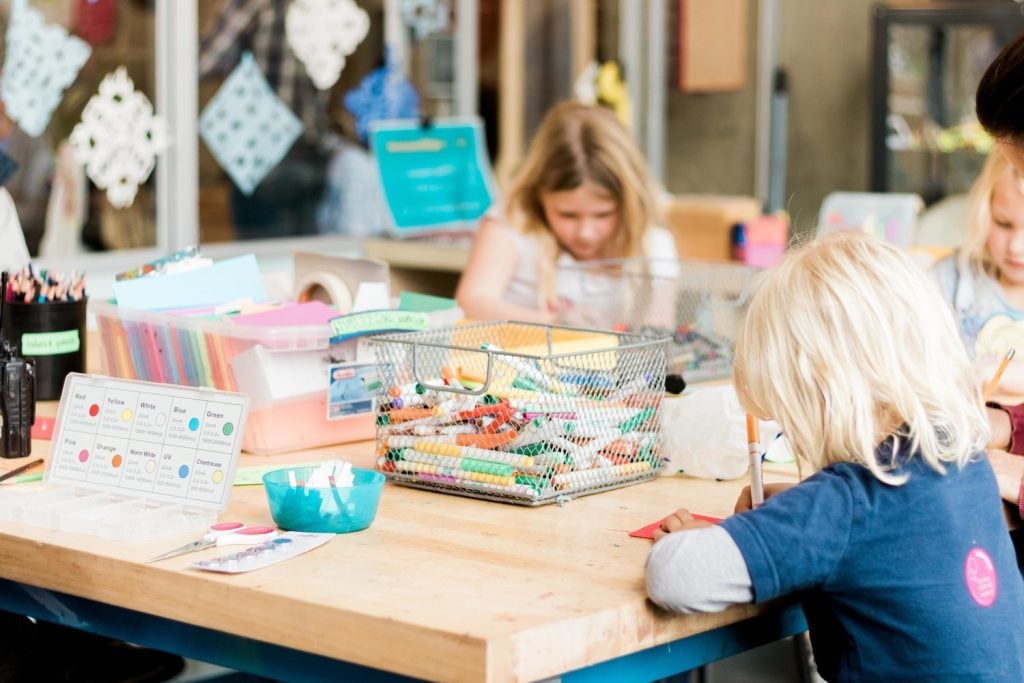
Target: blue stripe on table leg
[698, 650]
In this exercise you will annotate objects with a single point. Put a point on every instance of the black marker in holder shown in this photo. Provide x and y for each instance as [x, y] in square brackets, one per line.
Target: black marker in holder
[17, 393]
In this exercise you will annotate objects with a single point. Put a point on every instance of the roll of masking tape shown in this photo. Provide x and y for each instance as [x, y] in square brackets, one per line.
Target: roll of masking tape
[326, 287]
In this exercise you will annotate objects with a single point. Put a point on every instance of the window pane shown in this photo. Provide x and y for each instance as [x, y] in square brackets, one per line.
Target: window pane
[61, 211]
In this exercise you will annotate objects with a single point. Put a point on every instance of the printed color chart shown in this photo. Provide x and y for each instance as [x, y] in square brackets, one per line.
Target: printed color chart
[159, 441]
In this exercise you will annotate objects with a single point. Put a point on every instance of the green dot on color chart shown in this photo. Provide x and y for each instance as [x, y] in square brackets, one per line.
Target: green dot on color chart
[228, 428]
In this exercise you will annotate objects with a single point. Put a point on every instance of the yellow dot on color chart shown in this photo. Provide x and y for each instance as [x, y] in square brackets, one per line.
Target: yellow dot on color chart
[217, 476]
[126, 415]
[150, 466]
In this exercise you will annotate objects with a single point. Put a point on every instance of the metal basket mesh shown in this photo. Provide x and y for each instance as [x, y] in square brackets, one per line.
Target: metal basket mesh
[699, 304]
[518, 412]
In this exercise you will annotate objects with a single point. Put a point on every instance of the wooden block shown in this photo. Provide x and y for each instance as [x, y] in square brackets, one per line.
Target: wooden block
[712, 45]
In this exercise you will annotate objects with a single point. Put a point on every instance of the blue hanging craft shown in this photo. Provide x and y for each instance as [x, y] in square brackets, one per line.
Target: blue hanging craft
[42, 60]
[7, 166]
[383, 94]
[247, 127]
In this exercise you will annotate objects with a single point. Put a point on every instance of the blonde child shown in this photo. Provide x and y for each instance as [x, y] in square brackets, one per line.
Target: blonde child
[984, 281]
[583, 193]
[896, 545]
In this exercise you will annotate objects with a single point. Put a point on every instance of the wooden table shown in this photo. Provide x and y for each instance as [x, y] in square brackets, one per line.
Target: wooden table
[439, 587]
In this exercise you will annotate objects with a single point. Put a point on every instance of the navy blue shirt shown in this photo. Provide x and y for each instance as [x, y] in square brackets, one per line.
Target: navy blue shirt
[911, 582]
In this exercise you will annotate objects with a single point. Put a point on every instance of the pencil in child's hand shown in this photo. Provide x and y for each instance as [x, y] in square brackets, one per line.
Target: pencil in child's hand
[754, 452]
[994, 382]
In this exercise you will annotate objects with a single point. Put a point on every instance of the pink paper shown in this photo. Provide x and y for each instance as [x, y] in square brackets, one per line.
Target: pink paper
[648, 530]
[308, 313]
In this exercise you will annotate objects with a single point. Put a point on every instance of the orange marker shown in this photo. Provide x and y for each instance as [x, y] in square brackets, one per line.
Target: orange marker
[754, 452]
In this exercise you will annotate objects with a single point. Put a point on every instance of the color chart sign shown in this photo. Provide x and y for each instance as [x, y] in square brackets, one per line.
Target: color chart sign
[142, 439]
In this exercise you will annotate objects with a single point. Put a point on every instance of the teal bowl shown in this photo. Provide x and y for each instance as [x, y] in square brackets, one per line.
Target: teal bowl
[334, 510]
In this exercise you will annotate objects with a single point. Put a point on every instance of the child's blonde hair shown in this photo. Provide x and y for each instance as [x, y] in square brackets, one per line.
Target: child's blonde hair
[578, 143]
[974, 253]
[847, 343]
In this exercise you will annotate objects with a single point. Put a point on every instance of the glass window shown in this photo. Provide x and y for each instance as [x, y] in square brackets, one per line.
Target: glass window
[60, 210]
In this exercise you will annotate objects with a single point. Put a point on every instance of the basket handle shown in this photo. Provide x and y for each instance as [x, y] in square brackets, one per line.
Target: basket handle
[444, 387]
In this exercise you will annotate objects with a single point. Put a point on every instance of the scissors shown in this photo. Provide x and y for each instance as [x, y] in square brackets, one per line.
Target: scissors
[222, 533]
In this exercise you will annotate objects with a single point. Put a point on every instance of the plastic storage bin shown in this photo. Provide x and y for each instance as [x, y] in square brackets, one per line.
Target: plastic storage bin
[699, 304]
[517, 412]
[283, 370]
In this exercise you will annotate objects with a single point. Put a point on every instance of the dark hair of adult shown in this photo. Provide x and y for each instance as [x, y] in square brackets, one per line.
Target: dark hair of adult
[1000, 98]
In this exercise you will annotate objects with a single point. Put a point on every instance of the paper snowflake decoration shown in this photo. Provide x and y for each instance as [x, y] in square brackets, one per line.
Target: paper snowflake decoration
[118, 138]
[323, 33]
[247, 127]
[383, 94]
[42, 60]
[425, 17]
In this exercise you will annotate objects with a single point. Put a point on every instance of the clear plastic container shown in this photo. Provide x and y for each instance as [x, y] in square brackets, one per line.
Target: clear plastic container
[283, 371]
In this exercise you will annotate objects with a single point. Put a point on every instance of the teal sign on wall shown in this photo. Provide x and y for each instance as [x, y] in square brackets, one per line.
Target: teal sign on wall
[436, 177]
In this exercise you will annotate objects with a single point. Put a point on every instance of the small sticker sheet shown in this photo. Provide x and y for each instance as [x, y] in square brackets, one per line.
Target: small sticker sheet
[323, 33]
[426, 17]
[283, 547]
[247, 127]
[42, 61]
[118, 138]
[352, 390]
[384, 93]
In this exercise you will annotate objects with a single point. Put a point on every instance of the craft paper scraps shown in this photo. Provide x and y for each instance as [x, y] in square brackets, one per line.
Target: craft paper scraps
[118, 138]
[323, 33]
[425, 17]
[247, 127]
[383, 94]
[42, 60]
[96, 20]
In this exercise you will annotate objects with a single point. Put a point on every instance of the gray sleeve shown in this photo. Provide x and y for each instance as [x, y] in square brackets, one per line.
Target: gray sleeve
[699, 570]
[946, 274]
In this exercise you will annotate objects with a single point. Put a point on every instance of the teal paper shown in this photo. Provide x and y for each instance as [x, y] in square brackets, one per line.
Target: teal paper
[434, 178]
[224, 281]
[247, 127]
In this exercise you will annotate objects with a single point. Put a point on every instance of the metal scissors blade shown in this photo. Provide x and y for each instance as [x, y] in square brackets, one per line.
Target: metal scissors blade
[187, 548]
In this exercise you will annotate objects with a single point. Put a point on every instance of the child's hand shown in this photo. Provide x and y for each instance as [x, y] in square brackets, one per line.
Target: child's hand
[743, 503]
[1009, 471]
[679, 520]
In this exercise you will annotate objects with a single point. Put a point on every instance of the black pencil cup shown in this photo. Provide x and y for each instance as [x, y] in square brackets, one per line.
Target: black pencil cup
[52, 334]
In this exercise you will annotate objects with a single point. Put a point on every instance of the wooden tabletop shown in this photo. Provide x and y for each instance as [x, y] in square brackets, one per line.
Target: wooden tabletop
[439, 587]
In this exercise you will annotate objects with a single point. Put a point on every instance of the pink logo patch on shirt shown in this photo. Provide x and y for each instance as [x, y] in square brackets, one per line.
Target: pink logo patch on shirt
[980, 574]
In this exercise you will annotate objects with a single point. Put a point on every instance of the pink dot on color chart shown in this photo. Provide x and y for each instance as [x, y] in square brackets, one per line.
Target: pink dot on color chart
[94, 410]
[83, 455]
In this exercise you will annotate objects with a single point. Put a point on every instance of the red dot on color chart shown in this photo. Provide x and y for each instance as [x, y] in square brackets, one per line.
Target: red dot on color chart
[94, 410]
[83, 455]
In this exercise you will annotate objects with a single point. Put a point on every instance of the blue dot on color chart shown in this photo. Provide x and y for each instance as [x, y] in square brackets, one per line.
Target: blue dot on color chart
[193, 424]
[183, 471]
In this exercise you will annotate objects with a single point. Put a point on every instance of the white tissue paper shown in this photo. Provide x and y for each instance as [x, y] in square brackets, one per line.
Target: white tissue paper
[706, 434]
[323, 33]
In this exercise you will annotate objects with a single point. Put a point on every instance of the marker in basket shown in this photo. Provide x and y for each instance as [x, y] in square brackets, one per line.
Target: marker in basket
[754, 452]
[994, 382]
[631, 387]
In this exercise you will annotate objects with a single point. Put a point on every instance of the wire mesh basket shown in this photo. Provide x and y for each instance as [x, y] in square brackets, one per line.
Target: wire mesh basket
[699, 304]
[519, 412]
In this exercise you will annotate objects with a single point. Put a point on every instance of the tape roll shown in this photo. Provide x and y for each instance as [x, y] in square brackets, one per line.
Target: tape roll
[326, 287]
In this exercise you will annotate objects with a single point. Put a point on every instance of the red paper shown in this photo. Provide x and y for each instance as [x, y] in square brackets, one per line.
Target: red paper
[648, 530]
[42, 428]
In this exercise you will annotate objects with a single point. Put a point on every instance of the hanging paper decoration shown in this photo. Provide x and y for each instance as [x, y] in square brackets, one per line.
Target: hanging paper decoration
[118, 138]
[322, 33]
[96, 20]
[585, 85]
[247, 127]
[425, 17]
[42, 60]
[7, 166]
[384, 93]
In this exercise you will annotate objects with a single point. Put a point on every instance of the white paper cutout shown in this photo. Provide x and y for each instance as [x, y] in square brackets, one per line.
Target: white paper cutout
[118, 138]
[247, 127]
[322, 33]
[425, 17]
[42, 60]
